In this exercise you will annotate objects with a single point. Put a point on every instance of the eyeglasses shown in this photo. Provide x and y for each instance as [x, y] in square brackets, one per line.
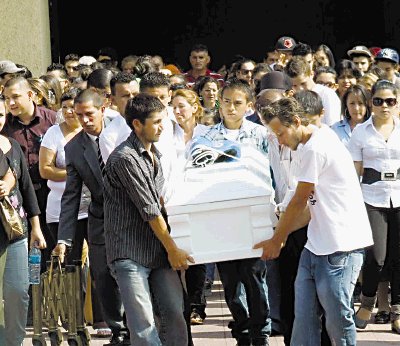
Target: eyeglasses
[328, 84]
[243, 71]
[390, 101]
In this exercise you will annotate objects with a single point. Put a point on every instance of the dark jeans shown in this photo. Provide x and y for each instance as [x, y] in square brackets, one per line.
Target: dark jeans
[288, 265]
[251, 320]
[385, 224]
[195, 277]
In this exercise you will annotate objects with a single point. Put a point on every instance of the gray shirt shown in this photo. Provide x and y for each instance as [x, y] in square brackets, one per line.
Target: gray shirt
[132, 189]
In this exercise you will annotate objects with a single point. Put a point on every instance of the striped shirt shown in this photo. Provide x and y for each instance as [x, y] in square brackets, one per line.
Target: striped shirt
[132, 188]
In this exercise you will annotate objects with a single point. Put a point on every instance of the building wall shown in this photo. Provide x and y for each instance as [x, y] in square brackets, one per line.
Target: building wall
[25, 34]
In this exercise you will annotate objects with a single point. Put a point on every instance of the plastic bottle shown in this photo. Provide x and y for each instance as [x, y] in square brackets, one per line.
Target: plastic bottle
[34, 265]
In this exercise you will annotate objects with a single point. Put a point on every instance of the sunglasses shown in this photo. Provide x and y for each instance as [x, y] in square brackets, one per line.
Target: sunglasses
[328, 84]
[390, 101]
[244, 71]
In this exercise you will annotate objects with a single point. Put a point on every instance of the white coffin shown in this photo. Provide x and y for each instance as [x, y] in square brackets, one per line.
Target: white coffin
[217, 213]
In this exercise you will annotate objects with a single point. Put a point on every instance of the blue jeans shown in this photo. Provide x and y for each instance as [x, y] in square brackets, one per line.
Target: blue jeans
[140, 286]
[16, 297]
[325, 285]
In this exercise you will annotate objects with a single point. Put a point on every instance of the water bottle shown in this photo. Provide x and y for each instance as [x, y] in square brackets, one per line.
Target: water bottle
[34, 265]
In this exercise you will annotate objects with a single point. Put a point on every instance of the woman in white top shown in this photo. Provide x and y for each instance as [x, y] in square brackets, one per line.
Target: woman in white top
[188, 111]
[375, 147]
[52, 167]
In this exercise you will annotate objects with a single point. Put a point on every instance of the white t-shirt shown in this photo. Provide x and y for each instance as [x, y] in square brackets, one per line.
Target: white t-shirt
[55, 141]
[331, 103]
[339, 220]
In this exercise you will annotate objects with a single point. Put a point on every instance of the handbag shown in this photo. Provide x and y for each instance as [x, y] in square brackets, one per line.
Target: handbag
[10, 219]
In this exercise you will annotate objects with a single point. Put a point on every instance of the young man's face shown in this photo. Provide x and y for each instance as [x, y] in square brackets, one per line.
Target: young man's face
[234, 105]
[123, 92]
[151, 130]
[272, 57]
[302, 82]
[90, 117]
[199, 60]
[162, 93]
[70, 66]
[388, 68]
[288, 136]
[246, 72]
[362, 63]
[18, 99]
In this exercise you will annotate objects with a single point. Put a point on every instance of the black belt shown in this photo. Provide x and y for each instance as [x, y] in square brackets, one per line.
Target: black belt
[371, 176]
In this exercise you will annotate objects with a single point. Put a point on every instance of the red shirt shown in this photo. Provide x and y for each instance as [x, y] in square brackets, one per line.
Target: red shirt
[191, 79]
[30, 136]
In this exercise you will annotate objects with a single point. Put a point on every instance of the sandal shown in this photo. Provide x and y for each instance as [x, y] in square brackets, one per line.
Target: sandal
[103, 333]
[382, 317]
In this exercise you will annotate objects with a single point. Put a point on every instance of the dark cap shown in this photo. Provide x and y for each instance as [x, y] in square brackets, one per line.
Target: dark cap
[388, 54]
[275, 80]
[359, 50]
[285, 43]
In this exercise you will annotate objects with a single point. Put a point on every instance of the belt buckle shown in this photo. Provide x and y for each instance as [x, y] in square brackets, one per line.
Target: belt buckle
[389, 175]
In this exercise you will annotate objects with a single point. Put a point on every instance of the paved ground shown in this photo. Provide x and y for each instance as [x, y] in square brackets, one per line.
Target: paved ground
[215, 331]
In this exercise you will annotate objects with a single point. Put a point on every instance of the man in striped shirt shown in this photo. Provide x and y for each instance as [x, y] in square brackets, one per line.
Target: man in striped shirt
[140, 250]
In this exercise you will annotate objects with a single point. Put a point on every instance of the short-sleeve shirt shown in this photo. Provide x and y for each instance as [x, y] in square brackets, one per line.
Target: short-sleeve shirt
[339, 220]
[55, 141]
[368, 146]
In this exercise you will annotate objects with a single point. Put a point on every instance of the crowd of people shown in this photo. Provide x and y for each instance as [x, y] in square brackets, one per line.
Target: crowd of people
[90, 153]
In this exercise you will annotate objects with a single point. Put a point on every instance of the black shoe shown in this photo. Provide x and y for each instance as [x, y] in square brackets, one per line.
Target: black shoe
[382, 317]
[260, 341]
[118, 340]
[243, 342]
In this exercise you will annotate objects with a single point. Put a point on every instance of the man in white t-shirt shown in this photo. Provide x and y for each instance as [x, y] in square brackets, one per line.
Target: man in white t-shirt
[338, 227]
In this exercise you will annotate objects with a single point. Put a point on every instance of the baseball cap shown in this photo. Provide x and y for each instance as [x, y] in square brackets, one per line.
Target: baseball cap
[7, 66]
[360, 50]
[275, 80]
[375, 50]
[285, 43]
[388, 54]
[87, 60]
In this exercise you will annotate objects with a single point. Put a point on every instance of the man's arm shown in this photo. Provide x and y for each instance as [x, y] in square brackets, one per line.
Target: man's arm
[297, 215]
[70, 202]
[177, 257]
[134, 182]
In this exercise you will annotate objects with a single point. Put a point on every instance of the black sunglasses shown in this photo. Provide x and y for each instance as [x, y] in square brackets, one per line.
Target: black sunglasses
[390, 101]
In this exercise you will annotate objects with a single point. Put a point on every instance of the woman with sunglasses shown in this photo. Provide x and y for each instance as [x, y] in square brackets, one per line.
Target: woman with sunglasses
[375, 147]
[355, 110]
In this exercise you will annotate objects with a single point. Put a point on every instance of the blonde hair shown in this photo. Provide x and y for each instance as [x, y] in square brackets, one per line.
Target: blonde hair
[193, 99]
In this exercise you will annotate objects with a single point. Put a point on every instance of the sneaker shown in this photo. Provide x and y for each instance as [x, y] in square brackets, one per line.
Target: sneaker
[195, 319]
